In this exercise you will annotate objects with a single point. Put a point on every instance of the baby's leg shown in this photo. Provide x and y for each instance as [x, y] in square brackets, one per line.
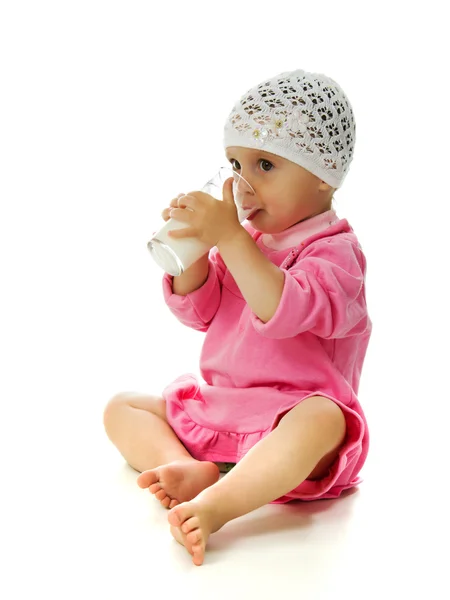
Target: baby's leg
[137, 426]
[304, 445]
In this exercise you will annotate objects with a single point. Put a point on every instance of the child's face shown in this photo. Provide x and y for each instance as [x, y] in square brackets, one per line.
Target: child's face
[285, 193]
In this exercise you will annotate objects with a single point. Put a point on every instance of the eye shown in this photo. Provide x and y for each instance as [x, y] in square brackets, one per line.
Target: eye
[266, 165]
[235, 164]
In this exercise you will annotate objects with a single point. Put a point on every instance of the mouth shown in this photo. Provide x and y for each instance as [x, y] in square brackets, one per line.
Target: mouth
[253, 214]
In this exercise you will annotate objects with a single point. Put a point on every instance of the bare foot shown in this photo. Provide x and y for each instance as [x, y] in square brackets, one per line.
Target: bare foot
[191, 525]
[179, 481]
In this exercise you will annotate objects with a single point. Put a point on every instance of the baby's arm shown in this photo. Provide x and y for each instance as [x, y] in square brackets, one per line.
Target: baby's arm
[195, 299]
[260, 281]
[324, 293]
[193, 278]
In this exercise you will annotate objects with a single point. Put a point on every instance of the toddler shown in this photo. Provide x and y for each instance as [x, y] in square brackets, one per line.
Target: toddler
[282, 301]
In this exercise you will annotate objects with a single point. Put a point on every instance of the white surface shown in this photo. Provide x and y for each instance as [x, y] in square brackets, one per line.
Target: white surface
[93, 145]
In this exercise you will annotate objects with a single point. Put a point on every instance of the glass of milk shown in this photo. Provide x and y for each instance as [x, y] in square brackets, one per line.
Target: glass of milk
[177, 255]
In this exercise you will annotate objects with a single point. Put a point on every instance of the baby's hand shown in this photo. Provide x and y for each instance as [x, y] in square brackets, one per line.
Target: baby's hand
[174, 204]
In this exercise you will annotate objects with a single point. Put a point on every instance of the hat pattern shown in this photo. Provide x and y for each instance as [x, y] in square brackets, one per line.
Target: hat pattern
[303, 117]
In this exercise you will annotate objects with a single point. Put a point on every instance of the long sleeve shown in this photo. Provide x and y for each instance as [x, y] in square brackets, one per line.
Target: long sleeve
[197, 309]
[324, 293]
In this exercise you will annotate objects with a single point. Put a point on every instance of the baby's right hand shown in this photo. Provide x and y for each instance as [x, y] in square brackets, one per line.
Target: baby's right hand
[174, 204]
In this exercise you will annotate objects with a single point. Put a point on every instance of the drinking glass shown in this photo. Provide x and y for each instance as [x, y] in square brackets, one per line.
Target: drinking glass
[177, 255]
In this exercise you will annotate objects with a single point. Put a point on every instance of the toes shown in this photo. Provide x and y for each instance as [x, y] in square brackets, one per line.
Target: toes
[146, 478]
[175, 531]
[180, 513]
[190, 524]
[161, 495]
[198, 554]
[165, 502]
[155, 487]
[181, 538]
[194, 537]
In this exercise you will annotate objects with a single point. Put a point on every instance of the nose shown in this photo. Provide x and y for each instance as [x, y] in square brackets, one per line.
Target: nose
[243, 185]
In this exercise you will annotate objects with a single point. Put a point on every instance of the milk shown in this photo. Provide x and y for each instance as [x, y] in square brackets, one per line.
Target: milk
[177, 255]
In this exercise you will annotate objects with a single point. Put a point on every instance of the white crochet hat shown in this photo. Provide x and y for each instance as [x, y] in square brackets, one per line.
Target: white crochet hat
[304, 117]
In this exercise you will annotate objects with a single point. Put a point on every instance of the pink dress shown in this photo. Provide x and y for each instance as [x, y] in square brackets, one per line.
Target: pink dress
[255, 372]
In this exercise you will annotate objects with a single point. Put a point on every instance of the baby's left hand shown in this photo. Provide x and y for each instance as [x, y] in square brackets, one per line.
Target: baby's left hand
[210, 220]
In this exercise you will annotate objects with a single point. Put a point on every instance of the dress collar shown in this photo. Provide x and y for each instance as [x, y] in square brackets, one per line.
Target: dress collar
[297, 233]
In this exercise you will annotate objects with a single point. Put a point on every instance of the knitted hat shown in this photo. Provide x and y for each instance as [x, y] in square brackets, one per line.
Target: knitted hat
[304, 117]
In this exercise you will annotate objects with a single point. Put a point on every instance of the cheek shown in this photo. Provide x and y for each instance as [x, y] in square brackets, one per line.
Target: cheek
[275, 194]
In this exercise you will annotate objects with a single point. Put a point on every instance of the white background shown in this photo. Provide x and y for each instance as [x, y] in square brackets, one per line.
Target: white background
[107, 111]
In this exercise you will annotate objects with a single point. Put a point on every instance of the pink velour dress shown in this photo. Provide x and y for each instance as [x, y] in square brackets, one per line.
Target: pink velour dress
[255, 372]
